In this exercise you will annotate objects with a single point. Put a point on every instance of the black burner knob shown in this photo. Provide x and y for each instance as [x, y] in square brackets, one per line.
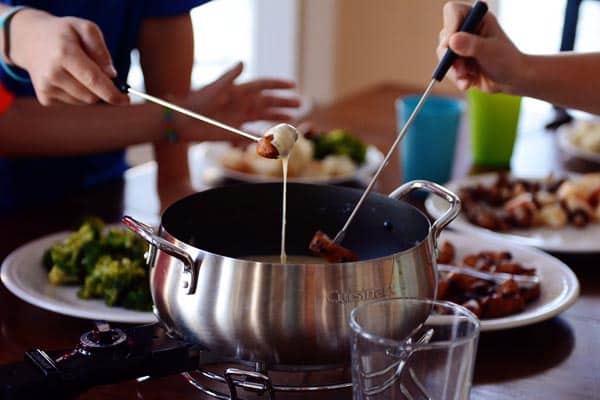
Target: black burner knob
[102, 338]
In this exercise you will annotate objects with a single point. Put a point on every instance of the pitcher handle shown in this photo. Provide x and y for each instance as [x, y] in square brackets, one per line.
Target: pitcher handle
[438, 190]
[147, 233]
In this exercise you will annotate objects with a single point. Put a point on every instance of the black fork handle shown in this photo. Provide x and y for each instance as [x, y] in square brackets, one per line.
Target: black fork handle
[469, 25]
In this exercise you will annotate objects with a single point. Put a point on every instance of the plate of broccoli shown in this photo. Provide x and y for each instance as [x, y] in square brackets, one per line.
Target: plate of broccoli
[95, 272]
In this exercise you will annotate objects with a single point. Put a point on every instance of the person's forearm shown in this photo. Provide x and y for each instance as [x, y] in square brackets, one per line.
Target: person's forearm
[168, 79]
[567, 79]
[28, 129]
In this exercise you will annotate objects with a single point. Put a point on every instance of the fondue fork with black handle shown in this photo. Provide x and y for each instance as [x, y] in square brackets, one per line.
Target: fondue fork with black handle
[470, 25]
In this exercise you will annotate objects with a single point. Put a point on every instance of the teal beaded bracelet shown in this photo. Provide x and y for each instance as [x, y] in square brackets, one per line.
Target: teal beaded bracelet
[170, 133]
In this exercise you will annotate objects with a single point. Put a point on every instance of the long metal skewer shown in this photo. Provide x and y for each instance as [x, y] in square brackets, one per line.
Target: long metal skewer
[470, 23]
[340, 235]
[524, 281]
[125, 88]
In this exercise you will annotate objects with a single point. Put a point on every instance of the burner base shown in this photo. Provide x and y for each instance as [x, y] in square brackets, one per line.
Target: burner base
[107, 355]
[217, 381]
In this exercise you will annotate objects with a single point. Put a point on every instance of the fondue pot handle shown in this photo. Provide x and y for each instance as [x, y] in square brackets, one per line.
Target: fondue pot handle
[147, 233]
[438, 190]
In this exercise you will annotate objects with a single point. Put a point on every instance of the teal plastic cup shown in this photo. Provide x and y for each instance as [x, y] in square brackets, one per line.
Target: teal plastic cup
[427, 150]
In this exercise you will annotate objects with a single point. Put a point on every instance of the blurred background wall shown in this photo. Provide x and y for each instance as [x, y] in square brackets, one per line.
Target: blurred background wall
[372, 41]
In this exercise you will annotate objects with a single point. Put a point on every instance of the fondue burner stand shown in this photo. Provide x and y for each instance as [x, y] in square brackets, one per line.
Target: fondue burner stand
[108, 355]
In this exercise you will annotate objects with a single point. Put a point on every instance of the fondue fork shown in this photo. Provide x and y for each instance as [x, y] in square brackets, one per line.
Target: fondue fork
[523, 281]
[125, 88]
[469, 25]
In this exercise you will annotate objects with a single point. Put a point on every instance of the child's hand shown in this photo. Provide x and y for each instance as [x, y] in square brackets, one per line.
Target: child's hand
[491, 62]
[66, 58]
[234, 104]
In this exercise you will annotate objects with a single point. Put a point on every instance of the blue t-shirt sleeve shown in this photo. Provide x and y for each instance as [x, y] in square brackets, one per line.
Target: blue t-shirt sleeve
[167, 8]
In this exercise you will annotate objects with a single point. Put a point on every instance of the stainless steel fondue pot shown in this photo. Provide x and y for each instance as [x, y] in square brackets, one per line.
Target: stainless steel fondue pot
[287, 316]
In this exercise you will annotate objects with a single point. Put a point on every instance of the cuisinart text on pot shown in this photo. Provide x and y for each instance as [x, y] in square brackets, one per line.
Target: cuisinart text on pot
[360, 295]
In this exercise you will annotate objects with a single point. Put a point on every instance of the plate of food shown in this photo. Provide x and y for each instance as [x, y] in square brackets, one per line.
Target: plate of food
[553, 214]
[317, 157]
[519, 285]
[581, 139]
[95, 272]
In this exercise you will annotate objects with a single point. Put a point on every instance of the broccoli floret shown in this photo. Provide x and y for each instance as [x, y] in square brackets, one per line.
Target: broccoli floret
[94, 225]
[68, 254]
[57, 276]
[138, 298]
[111, 296]
[111, 279]
[339, 142]
[90, 253]
[110, 266]
[124, 243]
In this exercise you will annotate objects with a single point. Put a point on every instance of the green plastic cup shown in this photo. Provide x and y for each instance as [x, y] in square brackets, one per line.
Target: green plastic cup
[494, 119]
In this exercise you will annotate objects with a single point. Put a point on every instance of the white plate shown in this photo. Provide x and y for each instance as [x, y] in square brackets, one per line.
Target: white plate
[568, 239]
[566, 144]
[206, 158]
[24, 275]
[559, 285]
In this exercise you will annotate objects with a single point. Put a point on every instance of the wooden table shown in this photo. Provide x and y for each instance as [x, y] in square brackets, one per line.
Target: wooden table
[557, 359]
